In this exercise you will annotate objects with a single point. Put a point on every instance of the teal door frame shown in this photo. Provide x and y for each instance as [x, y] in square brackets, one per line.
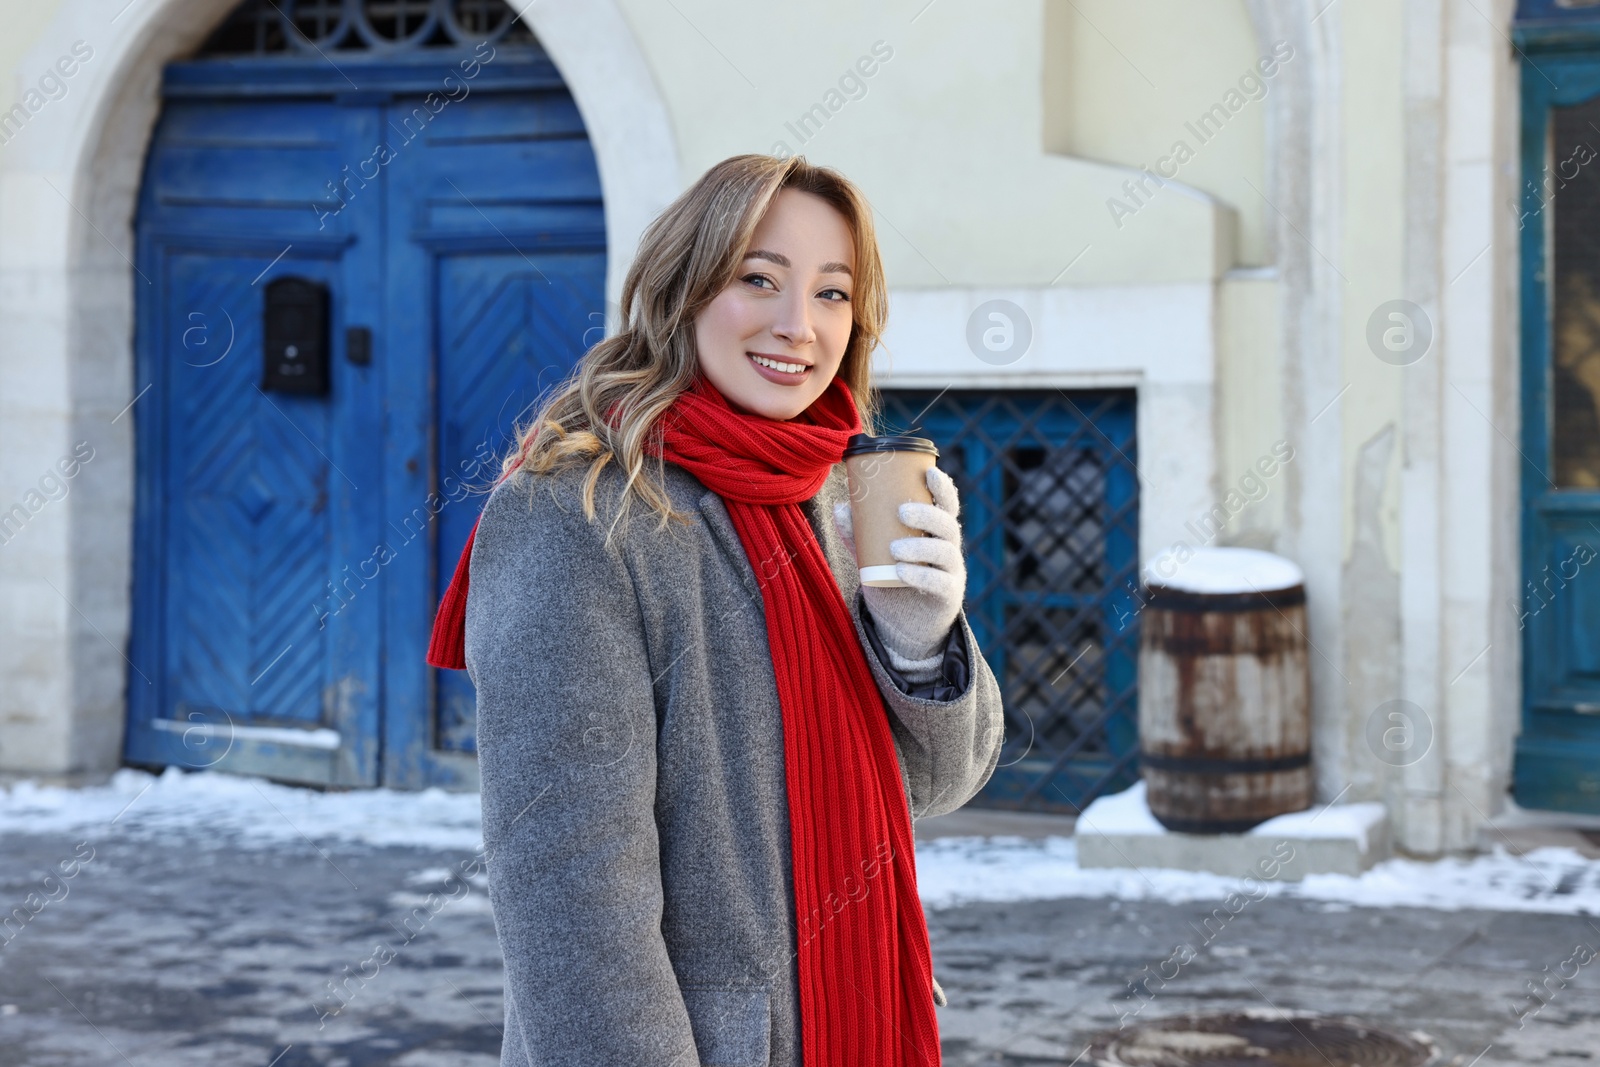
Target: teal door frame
[1557, 759]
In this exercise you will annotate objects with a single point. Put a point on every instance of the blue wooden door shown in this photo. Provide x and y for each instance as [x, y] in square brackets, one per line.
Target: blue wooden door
[1557, 762]
[290, 549]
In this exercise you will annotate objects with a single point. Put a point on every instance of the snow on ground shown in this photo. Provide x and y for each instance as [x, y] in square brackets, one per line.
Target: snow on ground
[959, 870]
[236, 810]
[249, 812]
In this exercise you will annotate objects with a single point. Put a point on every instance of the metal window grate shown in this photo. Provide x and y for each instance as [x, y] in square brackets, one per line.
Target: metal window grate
[317, 27]
[1050, 517]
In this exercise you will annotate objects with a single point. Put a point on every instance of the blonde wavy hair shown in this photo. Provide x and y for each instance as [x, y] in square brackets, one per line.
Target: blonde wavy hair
[688, 255]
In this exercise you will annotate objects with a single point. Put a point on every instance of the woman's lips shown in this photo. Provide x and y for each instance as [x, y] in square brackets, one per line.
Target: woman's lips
[781, 377]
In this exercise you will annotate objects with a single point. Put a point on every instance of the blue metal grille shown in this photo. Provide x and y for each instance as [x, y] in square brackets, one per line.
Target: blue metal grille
[313, 28]
[1050, 518]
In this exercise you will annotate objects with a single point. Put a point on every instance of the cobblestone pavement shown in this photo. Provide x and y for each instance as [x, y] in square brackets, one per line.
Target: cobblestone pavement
[184, 951]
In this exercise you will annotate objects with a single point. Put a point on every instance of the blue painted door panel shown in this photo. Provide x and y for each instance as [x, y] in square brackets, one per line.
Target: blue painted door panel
[1557, 760]
[248, 503]
[495, 285]
[1561, 609]
[290, 550]
[508, 328]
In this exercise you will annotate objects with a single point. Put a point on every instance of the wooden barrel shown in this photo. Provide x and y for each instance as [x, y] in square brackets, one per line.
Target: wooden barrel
[1224, 690]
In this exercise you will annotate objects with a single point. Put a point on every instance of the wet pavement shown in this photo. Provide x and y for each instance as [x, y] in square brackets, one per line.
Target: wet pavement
[187, 949]
[179, 953]
[1029, 983]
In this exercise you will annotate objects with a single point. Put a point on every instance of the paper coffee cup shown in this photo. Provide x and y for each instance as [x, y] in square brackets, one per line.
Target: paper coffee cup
[885, 472]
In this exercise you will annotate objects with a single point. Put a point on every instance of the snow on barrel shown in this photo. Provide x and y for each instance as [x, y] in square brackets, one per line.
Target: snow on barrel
[1224, 689]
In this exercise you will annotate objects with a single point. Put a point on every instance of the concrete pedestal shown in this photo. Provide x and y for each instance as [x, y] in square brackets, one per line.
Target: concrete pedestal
[1119, 831]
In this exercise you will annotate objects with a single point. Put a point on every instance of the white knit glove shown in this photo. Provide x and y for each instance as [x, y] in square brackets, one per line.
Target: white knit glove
[914, 621]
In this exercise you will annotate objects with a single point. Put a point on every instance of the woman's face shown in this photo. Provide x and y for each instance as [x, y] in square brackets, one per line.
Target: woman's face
[789, 305]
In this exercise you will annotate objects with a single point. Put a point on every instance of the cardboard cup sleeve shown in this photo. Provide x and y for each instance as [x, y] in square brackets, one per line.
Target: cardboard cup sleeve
[882, 478]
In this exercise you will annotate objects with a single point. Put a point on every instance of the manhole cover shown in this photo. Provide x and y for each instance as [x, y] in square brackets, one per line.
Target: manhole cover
[1261, 1039]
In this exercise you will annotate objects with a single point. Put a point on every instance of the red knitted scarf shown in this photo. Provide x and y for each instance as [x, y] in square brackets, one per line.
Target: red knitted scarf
[862, 940]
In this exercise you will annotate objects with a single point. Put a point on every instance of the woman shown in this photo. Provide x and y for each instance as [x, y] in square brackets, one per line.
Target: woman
[696, 805]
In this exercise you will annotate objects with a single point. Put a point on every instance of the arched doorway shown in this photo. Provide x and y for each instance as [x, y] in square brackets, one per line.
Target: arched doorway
[368, 235]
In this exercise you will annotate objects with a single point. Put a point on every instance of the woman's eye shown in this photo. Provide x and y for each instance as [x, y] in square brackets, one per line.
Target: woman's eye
[754, 278]
[840, 293]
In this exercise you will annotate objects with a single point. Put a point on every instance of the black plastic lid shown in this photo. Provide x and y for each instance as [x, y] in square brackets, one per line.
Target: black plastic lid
[891, 443]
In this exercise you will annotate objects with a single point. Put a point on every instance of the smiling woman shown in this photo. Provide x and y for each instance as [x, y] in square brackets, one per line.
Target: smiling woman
[700, 754]
[772, 341]
[762, 257]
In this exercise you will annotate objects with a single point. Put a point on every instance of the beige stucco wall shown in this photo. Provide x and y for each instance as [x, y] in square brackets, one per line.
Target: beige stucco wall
[23, 22]
[1370, 259]
[1128, 83]
[946, 139]
[1373, 252]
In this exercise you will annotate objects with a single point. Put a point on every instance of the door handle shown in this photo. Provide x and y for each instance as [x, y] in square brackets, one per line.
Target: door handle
[358, 345]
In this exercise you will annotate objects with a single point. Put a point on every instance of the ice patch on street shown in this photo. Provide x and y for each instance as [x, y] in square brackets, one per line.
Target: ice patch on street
[951, 871]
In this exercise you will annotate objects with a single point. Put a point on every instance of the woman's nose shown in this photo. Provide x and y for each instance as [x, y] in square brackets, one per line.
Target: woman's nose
[794, 322]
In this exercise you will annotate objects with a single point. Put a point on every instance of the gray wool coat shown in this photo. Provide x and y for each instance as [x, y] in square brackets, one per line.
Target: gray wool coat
[630, 746]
